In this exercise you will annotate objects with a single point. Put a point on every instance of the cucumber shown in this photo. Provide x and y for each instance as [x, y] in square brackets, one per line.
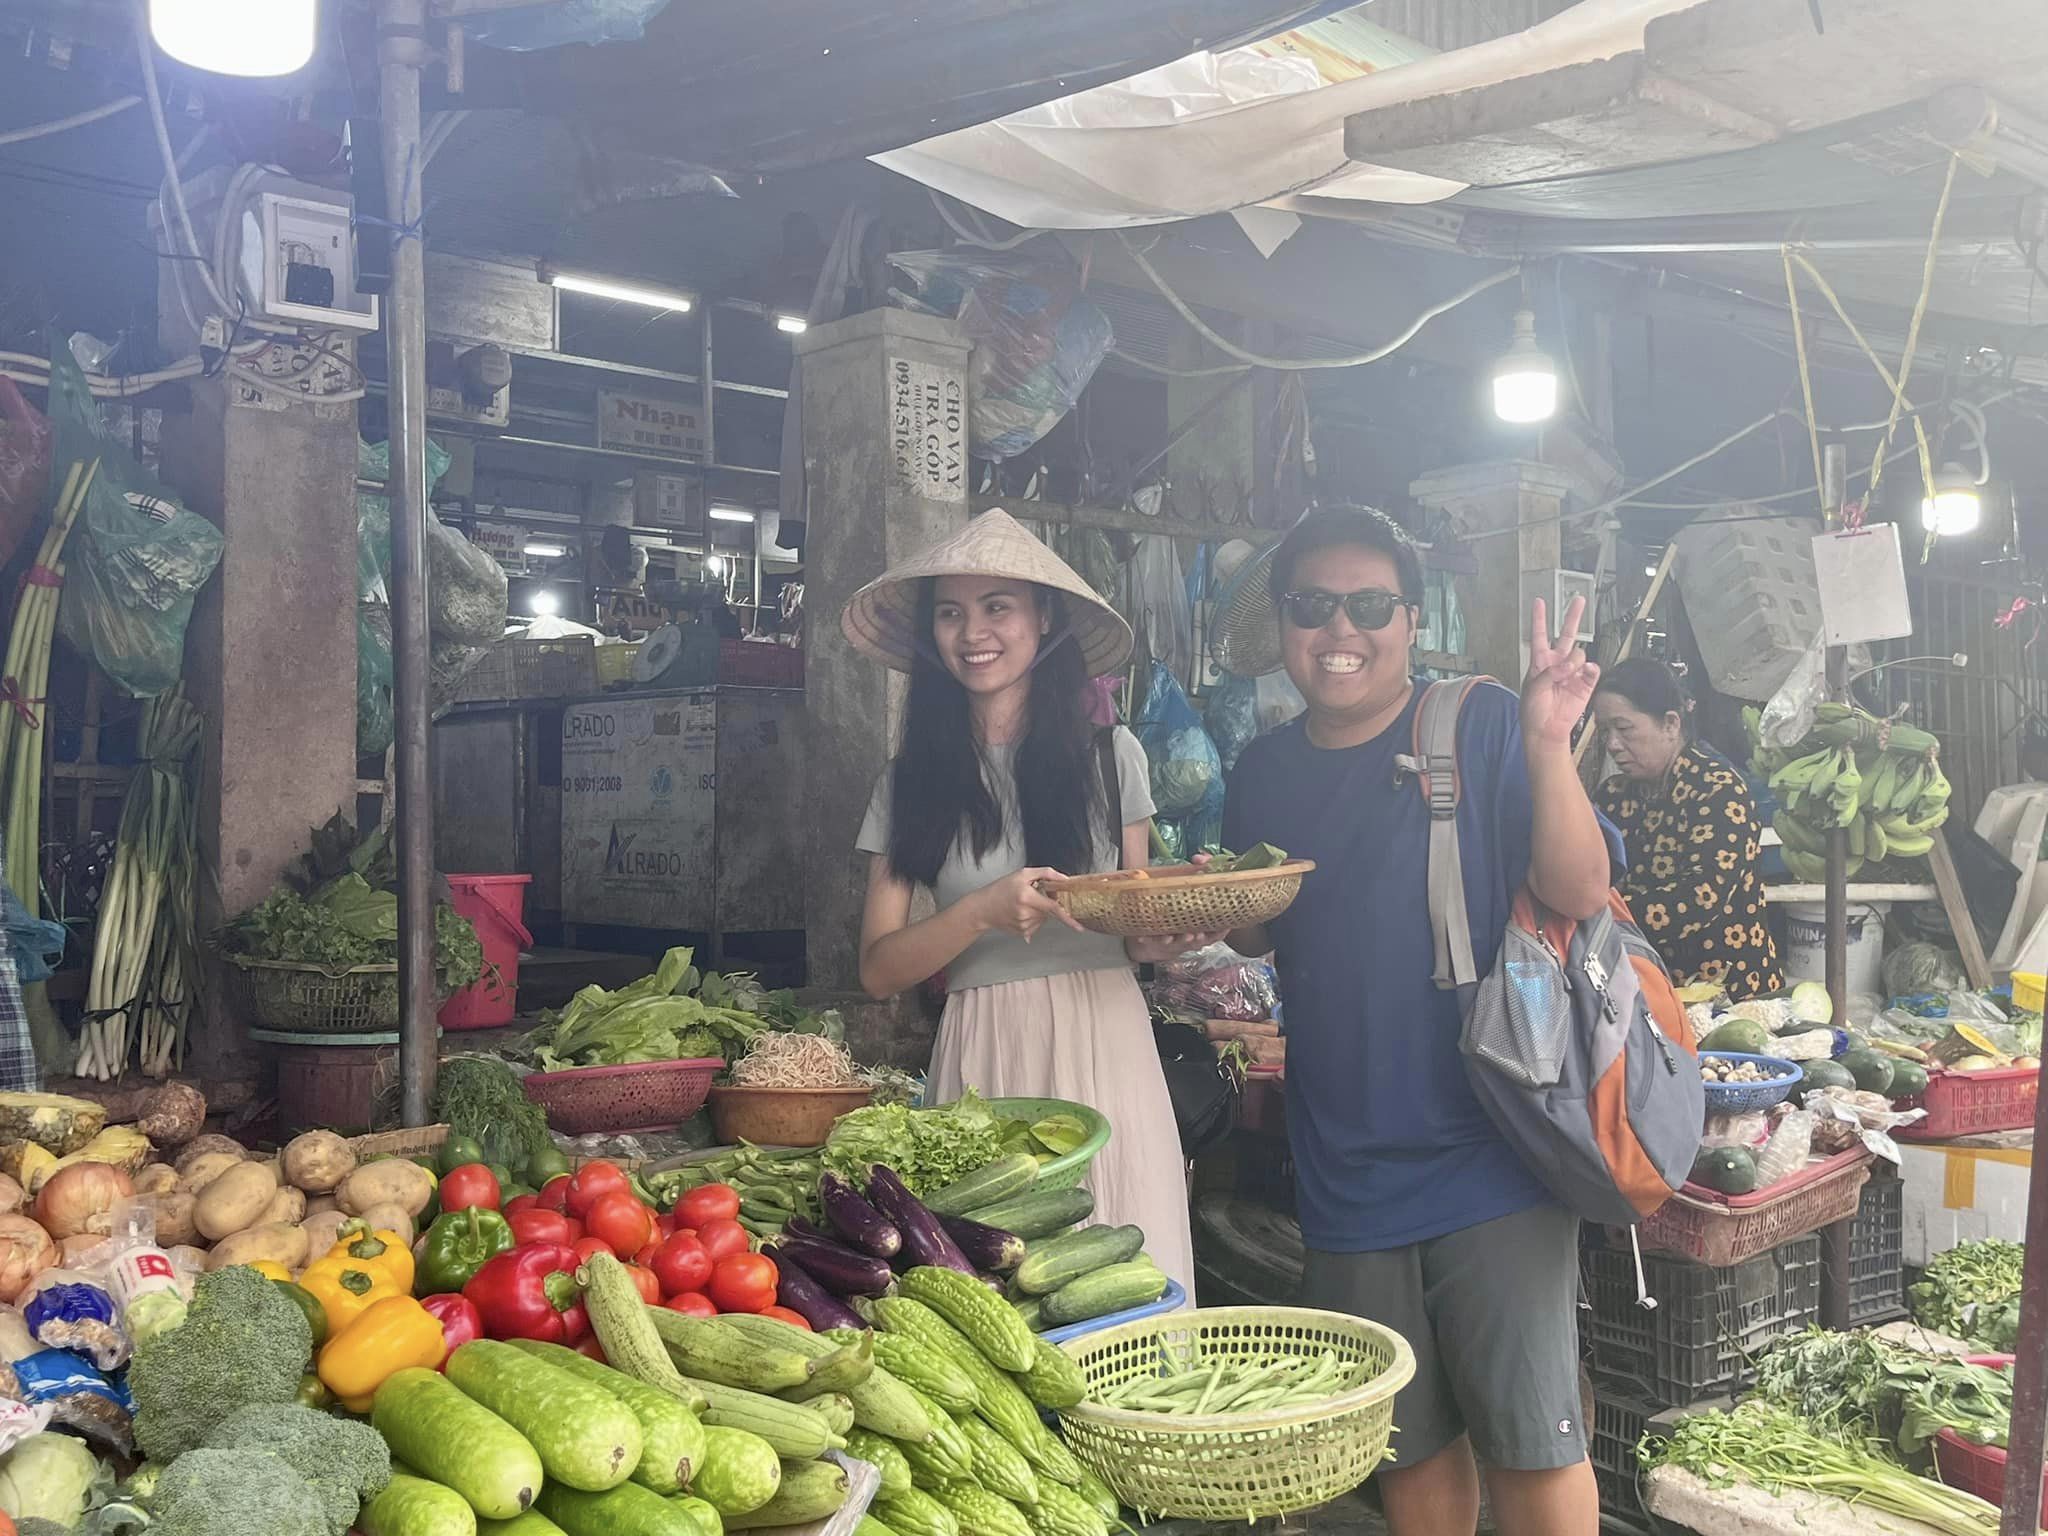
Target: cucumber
[586, 1437]
[412, 1506]
[1032, 1310]
[457, 1442]
[672, 1441]
[708, 1522]
[532, 1523]
[1135, 1284]
[740, 1473]
[1055, 1262]
[627, 1510]
[1003, 1179]
[810, 1490]
[1038, 1214]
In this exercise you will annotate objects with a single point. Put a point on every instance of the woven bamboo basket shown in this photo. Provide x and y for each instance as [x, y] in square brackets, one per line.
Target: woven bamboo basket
[1237, 1467]
[1153, 903]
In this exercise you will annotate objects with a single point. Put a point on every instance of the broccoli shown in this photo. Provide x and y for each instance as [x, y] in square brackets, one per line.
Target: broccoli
[242, 1342]
[235, 1493]
[347, 1464]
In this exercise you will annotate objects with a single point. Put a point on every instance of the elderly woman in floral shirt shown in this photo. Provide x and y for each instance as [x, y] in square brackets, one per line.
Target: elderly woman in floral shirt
[1692, 832]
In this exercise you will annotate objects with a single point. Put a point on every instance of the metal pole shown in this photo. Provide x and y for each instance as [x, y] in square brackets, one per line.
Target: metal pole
[2027, 1435]
[1834, 483]
[401, 51]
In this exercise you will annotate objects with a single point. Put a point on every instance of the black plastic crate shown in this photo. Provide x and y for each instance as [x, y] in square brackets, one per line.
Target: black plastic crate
[1621, 1412]
[1708, 1324]
[1877, 1270]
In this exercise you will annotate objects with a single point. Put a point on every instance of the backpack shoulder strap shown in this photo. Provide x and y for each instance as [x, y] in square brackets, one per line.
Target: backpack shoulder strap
[1435, 764]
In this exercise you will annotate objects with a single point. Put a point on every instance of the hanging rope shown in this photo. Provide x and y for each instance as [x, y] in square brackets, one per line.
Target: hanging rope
[1806, 385]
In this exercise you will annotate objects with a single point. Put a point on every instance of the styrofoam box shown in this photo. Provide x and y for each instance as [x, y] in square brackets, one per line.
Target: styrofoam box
[1958, 1194]
[1752, 598]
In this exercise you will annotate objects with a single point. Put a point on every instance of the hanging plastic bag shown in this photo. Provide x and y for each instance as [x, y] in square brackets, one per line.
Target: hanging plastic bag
[1232, 716]
[25, 435]
[1038, 339]
[1186, 773]
[35, 943]
[375, 720]
[136, 557]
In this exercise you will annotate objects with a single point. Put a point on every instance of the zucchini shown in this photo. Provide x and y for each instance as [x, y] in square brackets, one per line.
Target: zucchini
[1004, 1179]
[811, 1490]
[790, 1428]
[627, 1510]
[618, 1316]
[1114, 1289]
[532, 1523]
[586, 1437]
[672, 1440]
[710, 1350]
[740, 1473]
[979, 1313]
[412, 1506]
[982, 1513]
[1054, 1380]
[998, 1465]
[456, 1442]
[1053, 1263]
[917, 1513]
[884, 1456]
[1038, 1214]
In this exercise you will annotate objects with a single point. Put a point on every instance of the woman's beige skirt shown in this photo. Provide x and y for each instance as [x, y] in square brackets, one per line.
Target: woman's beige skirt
[1085, 1036]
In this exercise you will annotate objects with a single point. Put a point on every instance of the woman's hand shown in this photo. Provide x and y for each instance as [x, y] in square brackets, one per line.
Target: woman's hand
[1014, 904]
[1561, 680]
[1169, 947]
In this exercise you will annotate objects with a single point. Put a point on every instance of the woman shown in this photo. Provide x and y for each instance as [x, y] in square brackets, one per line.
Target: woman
[1692, 833]
[1001, 783]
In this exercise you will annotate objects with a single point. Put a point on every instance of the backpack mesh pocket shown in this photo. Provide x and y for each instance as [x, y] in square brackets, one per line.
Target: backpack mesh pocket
[1520, 1023]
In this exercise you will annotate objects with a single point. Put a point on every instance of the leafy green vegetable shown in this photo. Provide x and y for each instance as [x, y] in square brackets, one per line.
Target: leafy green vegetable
[483, 1098]
[1858, 1386]
[660, 1017]
[1957, 1292]
[928, 1148]
[1060, 1134]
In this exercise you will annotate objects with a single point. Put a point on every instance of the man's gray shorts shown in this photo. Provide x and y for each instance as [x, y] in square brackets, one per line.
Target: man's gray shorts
[1492, 1315]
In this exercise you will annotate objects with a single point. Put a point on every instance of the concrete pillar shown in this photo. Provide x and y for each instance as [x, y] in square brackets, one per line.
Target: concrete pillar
[270, 658]
[885, 463]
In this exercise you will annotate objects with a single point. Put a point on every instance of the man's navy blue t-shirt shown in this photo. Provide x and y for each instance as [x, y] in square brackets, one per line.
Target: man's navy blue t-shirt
[1390, 1146]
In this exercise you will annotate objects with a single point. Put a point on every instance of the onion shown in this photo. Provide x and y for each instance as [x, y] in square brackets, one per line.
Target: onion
[82, 1198]
[25, 1252]
[12, 1196]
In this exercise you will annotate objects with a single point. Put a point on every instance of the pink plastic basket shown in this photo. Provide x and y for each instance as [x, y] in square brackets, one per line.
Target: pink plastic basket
[1974, 1103]
[1720, 1230]
[646, 1096]
[1978, 1469]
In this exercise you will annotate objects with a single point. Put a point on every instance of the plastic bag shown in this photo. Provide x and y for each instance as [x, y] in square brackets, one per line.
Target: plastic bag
[25, 437]
[1038, 339]
[1217, 983]
[136, 557]
[527, 28]
[1186, 773]
[1160, 611]
[1232, 716]
[34, 942]
[1790, 1146]
[1789, 714]
[1748, 1131]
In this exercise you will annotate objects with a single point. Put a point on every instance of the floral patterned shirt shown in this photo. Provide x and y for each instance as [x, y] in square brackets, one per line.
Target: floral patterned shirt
[1692, 879]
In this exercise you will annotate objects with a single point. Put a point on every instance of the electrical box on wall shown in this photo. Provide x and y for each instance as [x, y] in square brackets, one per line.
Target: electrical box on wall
[298, 262]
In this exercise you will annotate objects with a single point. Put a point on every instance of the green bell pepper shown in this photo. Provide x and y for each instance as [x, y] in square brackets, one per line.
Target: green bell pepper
[458, 1244]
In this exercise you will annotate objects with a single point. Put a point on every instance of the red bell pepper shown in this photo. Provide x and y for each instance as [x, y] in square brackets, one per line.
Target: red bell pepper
[459, 1319]
[530, 1293]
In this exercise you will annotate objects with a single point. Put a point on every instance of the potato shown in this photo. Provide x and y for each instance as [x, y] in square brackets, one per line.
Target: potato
[235, 1200]
[391, 1218]
[287, 1206]
[195, 1175]
[391, 1182]
[156, 1179]
[323, 1231]
[199, 1146]
[279, 1241]
[317, 1162]
[315, 1204]
[175, 1226]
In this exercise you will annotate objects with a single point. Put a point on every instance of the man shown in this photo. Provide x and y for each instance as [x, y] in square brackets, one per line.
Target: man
[1414, 1211]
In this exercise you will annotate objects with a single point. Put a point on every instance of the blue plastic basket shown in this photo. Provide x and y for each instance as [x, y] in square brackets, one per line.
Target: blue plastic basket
[1176, 1296]
[1748, 1098]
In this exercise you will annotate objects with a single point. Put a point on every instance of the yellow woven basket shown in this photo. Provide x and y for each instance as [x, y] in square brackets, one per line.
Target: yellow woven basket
[1179, 899]
[1237, 1466]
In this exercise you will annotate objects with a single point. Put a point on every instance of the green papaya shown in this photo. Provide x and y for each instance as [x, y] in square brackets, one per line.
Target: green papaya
[1745, 1036]
[1872, 1070]
[1909, 1080]
[1725, 1170]
[1824, 1074]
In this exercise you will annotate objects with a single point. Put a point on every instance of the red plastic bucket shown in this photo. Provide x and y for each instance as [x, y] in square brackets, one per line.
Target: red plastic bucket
[496, 904]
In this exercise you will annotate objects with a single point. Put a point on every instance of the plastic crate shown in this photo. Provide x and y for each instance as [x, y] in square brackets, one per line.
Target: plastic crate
[1978, 1469]
[1974, 1103]
[1726, 1229]
[1621, 1412]
[756, 664]
[531, 669]
[1877, 1271]
[1708, 1324]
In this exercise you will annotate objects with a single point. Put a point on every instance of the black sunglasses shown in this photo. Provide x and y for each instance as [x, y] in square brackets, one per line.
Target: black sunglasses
[1370, 609]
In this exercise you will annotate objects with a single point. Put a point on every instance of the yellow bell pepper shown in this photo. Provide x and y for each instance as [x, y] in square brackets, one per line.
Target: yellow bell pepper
[392, 1334]
[346, 1289]
[376, 1251]
[270, 1269]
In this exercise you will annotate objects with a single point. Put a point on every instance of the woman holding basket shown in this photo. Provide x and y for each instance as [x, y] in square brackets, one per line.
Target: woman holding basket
[1001, 783]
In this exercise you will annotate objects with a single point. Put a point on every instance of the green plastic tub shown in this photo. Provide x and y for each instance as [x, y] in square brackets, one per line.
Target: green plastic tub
[1062, 1172]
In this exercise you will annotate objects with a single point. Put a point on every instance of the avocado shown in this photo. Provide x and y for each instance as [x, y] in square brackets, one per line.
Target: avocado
[1824, 1074]
[1909, 1080]
[1745, 1036]
[1872, 1070]
[1725, 1170]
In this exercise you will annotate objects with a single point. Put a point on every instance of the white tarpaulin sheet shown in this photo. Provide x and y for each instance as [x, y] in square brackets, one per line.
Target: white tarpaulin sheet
[1216, 133]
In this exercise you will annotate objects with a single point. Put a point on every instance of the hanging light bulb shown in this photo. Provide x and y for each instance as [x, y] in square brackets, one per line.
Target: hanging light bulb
[1525, 379]
[255, 38]
[1956, 507]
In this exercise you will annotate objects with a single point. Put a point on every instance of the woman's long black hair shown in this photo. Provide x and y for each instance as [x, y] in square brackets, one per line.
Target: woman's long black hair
[939, 792]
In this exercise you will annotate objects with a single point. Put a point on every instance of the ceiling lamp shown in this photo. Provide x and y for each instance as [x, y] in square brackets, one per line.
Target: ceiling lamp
[1525, 379]
[791, 325]
[1956, 507]
[254, 38]
[626, 293]
[724, 513]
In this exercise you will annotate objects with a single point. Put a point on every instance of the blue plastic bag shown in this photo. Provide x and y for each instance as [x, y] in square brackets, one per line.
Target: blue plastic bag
[1186, 770]
[34, 942]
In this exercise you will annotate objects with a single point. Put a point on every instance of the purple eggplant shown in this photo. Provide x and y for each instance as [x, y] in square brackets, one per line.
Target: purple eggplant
[835, 1266]
[986, 1247]
[924, 1240]
[796, 1226]
[856, 1221]
[804, 1296]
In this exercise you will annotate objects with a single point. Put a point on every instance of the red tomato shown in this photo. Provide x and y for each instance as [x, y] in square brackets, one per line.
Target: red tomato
[650, 1288]
[470, 1185]
[593, 1349]
[744, 1283]
[520, 1203]
[692, 1304]
[622, 1221]
[555, 1193]
[723, 1239]
[538, 1226]
[708, 1202]
[681, 1264]
[576, 1229]
[645, 1257]
[664, 1223]
[592, 1182]
[784, 1315]
[586, 1246]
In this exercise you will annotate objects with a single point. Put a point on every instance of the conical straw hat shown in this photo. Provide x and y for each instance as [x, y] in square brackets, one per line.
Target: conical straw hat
[881, 620]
